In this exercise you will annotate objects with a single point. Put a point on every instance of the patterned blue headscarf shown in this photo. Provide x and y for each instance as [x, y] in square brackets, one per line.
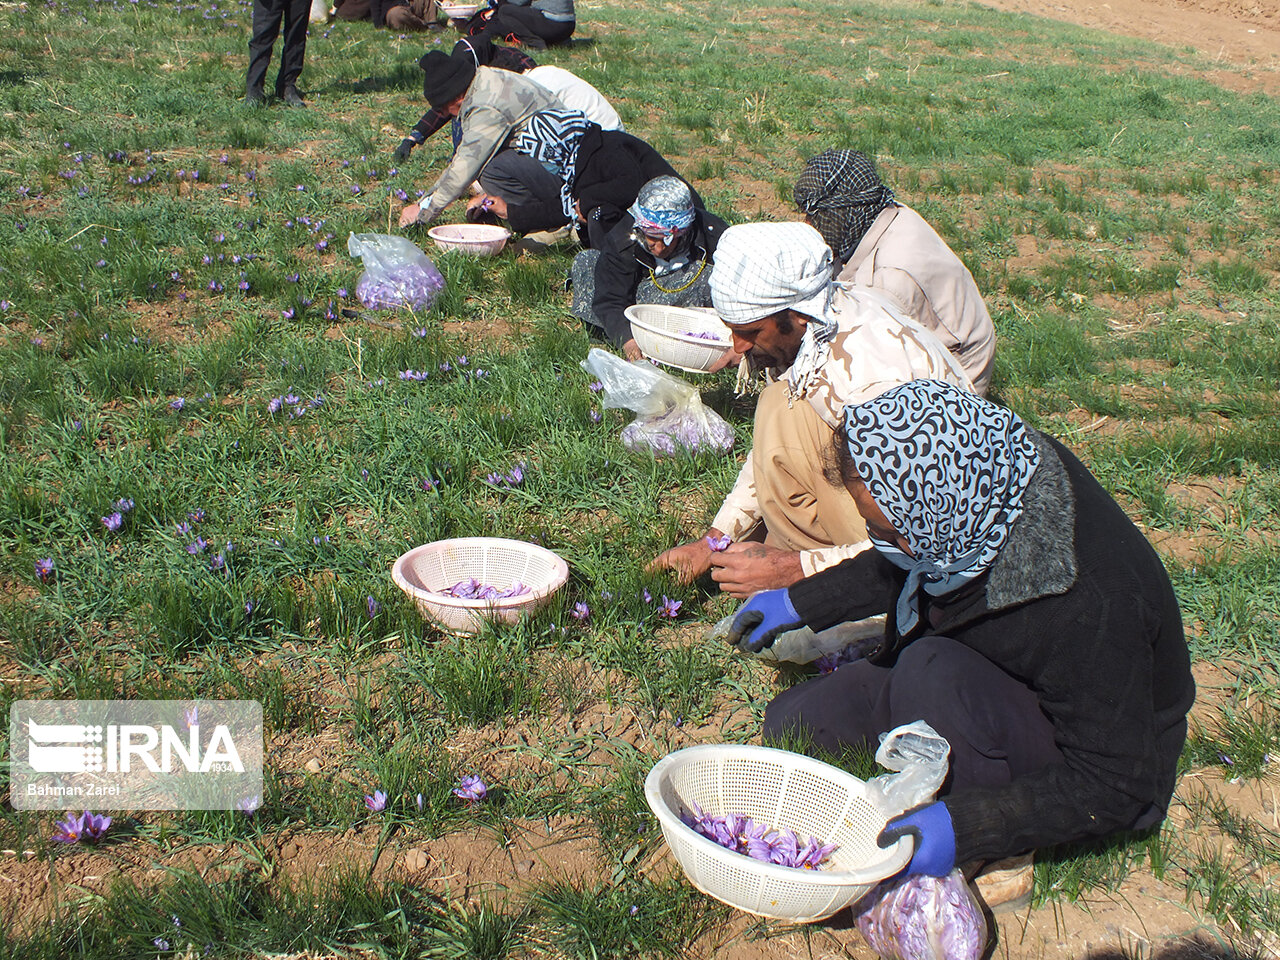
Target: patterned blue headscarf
[949, 470]
[663, 208]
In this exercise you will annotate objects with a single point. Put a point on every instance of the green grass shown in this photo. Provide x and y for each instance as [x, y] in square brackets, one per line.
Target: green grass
[155, 247]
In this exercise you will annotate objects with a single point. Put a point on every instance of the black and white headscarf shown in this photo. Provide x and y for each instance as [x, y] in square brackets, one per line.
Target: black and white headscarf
[552, 137]
[841, 194]
[949, 470]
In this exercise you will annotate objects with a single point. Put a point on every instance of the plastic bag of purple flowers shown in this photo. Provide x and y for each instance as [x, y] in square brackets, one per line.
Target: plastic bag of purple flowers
[670, 416]
[918, 917]
[396, 273]
[923, 918]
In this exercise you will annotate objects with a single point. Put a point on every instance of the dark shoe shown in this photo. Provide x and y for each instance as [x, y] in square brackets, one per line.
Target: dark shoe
[291, 97]
[254, 97]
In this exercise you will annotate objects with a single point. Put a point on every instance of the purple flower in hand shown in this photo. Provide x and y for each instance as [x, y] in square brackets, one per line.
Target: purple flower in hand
[718, 544]
[376, 803]
[472, 789]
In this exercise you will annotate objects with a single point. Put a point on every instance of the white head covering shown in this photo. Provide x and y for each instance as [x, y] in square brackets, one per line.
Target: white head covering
[761, 268]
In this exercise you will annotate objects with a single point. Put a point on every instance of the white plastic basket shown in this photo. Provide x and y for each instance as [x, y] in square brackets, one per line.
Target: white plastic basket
[662, 333]
[478, 239]
[494, 561]
[459, 11]
[785, 791]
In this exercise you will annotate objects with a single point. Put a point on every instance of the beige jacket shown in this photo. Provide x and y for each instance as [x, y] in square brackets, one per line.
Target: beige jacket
[875, 348]
[902, 257]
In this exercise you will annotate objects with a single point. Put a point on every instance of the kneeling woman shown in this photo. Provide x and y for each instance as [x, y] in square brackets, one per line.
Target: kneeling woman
[661, 253]
[1029, 622]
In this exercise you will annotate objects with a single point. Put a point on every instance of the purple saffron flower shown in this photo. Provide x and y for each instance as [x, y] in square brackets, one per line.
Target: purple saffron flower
[287, 314]
[472, 789]
[376, 803]
[112, 521]
[718, 544]
[218, 563]
[418, 801]
[648, 597]
[428, 484]
[178, 404]
[516, 476]
[44, 569]
[191, 716]
[670, 608]
[249, 607]
[594, 416]
[249, 805]
[372, 606]
[196, 516]
[595, 386]
[183, 529]
[275, 404]
[124, 504]
[581, 611]
[69, 830]
[197, 546]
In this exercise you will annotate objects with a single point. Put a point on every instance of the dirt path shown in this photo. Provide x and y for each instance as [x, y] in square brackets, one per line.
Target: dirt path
[1242, 35]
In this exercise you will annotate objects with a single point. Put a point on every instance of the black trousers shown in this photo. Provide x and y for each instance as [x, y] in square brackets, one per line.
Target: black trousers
[993, 722]
[527, 25]
[267, 18]
[522, 181]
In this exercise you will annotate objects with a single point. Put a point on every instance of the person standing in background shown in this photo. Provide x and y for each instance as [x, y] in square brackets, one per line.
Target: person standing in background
[267, 18]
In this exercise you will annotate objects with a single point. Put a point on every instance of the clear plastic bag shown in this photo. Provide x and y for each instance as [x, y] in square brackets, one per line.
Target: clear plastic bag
[396, 273]
[670, 417]
[918, 917]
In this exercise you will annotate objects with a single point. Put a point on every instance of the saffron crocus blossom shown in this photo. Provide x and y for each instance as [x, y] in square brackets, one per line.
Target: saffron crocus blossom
[249, 805]
[197, 546]
[372, 606]
[756, 840]
[670, 608]
[112, 521]
[472, 789]
[718, 544]
[95, 826]
[580, 611]
[376, 803]
[88, 826]
[177, 404]
[191, 716]
[44, 569]
[473, 589]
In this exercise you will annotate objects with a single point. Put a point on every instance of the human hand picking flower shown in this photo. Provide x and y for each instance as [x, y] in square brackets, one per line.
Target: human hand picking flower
[743, 569]
[762, 620]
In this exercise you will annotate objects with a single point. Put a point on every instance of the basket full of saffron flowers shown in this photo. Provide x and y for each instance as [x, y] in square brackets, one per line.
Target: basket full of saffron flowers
[460, 584]
[771, 832]
[689, 338]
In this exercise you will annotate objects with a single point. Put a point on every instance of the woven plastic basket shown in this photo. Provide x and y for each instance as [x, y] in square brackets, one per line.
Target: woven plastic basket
[478, 239]
[664, 334]
[459, 11]
[785, 791]
[434, 567]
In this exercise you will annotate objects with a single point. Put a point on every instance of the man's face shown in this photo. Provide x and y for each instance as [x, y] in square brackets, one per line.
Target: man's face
[772, 341]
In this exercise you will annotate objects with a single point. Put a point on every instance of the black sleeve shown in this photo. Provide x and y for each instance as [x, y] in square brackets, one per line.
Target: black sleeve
[431, 121]
[527, 217]
[854, 589]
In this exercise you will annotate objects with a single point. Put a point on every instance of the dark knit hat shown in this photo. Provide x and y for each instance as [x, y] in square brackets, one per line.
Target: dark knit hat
[446, 78]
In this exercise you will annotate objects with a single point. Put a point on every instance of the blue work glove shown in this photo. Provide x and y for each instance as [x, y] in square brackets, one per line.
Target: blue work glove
[930, 825]
[761, 619]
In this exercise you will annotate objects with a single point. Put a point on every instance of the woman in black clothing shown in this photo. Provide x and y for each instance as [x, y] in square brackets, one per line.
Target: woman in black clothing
[1029, 622]
[660, 253]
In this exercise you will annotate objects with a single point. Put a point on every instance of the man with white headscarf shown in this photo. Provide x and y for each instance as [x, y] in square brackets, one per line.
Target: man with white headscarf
[830, 346]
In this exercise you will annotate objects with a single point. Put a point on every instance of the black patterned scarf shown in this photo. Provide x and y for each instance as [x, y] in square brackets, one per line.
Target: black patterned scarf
[841, 194]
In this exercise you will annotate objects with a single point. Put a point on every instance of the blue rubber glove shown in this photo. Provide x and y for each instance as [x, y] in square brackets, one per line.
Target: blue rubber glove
[761, 619]
[930, 825]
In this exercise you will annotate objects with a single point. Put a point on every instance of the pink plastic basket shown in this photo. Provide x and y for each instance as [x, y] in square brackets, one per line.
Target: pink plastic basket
[494, 561]
[479, 239]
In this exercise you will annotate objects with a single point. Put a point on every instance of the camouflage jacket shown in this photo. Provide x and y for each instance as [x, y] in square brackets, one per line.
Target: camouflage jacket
[498, 104]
